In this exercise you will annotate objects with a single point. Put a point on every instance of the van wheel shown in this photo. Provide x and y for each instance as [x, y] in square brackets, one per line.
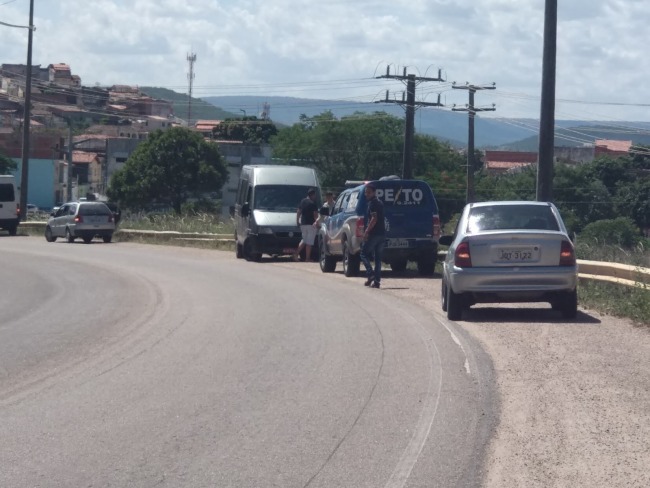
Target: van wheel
[108, 238]
[351, 261]
[239, 249]
[398, 266]
[68, 235]
[327, 262]
[13, 230]
[48, 235]
[249, 254]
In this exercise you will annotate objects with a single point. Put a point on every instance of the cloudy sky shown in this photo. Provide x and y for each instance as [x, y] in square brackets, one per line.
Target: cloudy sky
[334, 49]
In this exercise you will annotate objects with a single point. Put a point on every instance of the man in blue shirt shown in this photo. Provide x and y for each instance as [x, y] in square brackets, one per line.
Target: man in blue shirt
[374, 237]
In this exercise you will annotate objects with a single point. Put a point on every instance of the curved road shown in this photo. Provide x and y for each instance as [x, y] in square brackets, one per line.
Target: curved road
[132, 365]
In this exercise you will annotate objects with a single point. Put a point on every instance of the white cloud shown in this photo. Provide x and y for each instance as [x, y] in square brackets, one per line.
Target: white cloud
[601, 48]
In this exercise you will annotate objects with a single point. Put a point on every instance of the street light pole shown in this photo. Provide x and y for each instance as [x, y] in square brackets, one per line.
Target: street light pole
[24, 174]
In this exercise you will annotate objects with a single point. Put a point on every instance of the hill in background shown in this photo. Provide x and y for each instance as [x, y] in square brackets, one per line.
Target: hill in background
[452, 127]
[201, 110]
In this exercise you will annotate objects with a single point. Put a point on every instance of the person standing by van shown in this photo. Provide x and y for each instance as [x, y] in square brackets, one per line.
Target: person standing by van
[306, 218]
[374, 237]
[329, 205]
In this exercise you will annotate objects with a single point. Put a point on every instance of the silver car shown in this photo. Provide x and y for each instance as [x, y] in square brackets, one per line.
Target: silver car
[81, 219]
[506, 252]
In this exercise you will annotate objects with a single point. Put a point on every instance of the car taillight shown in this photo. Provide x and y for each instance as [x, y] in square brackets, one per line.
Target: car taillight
[360, 227]
[78, 219]
[567, 254]
[110, 218]
[436, 226]
[17, 210]
[462, 258]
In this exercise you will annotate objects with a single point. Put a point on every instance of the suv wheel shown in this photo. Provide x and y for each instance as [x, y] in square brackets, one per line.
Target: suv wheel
[351, 261]
[327, 262]
[426, 266]
[398, 266]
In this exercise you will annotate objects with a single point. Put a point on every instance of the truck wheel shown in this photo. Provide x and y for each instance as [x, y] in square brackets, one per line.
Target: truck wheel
[327, 262]
[426, 266]
[351, 261]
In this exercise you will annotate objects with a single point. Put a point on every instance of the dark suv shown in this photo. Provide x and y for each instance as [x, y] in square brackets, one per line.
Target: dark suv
[411, 220]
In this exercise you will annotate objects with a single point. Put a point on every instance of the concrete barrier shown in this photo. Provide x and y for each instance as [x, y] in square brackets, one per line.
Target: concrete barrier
[621, 274]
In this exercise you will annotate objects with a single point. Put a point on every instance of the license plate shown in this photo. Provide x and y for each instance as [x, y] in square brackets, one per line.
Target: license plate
[520, 255]
[397, 243]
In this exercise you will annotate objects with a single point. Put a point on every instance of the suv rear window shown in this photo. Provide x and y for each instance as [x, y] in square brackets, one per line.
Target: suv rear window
[7, 192]
[94, 209]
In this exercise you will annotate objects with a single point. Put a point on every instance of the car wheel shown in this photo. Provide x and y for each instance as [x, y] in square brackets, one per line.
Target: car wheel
[443, 296]
[87, 239]
[68, 235]
[426, 266]
[327, 262]
[570, 305]
[350, 261]
[48, 234]
[398, 266]
[454, 305]
[107, 238]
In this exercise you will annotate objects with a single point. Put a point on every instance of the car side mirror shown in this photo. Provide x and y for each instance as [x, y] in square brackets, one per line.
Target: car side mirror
[245, 209]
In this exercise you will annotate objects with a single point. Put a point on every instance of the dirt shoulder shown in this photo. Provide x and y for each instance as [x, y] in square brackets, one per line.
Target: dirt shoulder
[575, 397]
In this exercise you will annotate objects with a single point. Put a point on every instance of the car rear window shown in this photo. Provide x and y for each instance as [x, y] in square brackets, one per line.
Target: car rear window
[7, 192]
[94, 209]
[506, 217]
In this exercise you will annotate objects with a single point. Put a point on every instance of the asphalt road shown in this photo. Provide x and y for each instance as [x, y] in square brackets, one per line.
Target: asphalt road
[132, 365]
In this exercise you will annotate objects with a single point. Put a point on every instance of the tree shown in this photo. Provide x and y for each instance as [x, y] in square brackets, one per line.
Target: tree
[169, 167]
[249, 129]
[360, 146]
[7, 164]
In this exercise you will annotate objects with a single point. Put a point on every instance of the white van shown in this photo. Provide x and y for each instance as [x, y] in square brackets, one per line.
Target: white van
[265, 210]
[9, 204]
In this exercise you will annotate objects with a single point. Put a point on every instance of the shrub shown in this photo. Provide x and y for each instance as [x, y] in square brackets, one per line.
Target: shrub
[621, 231]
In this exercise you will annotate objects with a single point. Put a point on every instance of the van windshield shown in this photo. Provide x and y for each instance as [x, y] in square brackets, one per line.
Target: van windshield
[279, 198]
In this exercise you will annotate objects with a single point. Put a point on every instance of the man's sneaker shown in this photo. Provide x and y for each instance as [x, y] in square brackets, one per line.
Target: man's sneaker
[375, 284]
[368, 282]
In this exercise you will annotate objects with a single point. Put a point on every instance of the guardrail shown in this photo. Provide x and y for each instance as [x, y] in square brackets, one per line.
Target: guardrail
[622, 274]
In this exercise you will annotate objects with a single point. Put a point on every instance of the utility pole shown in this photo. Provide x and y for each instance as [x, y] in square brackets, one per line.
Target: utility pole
[471, 111]
[547, 112]
[191, 58]
[27, 113]
[409, 123]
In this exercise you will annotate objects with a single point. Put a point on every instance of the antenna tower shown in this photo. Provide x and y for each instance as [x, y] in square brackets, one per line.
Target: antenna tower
[191, 58]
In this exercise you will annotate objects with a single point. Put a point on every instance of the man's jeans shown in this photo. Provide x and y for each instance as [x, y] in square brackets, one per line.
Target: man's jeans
[373, 246]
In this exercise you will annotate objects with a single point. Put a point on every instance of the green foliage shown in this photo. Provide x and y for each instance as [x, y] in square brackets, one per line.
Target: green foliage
[248, 129]
[360, 146]
[617, 300]
[169, 167]
[621, 231]
[201, 206]
[7, 165]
